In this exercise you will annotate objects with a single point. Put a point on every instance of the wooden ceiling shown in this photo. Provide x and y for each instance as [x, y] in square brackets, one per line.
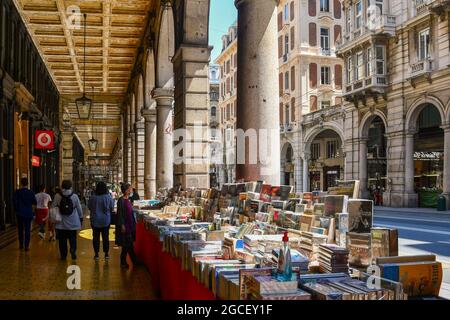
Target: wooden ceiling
[114, 31]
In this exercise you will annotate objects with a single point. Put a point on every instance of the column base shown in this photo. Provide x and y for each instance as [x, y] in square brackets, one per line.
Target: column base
[400, 200]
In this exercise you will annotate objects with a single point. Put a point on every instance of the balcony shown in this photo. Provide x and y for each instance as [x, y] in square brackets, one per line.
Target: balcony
[421, 6]
[375, 83]
[318, 116]
[384, 24]
[326, 52]
[421, 68]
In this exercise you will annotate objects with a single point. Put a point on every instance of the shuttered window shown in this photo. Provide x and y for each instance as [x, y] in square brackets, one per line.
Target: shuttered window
[313, 75]
[312, 34]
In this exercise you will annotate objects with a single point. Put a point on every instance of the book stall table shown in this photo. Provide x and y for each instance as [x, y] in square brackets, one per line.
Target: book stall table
[232, 244]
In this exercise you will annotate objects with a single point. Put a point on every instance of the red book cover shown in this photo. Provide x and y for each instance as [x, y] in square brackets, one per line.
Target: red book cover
[266, 192]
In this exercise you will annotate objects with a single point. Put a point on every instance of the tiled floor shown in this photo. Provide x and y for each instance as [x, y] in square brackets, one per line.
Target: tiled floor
[39, 274]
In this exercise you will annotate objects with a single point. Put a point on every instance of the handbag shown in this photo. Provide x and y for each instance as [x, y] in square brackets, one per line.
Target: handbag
[55, 215]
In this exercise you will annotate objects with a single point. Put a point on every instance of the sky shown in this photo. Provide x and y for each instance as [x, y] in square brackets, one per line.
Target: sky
[222, 15]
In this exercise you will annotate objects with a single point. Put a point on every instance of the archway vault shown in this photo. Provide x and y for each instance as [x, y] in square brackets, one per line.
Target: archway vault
[311, 135]
[415, 109]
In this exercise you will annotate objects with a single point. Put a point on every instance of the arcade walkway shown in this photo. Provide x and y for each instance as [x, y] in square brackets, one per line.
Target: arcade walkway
[39, 274]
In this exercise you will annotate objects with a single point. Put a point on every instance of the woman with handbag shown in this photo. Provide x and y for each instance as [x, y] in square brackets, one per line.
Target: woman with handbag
[101, 206]
[126, 226]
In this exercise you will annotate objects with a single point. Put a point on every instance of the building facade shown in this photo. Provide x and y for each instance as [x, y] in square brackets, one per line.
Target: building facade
[216, 168]
[310, 88]
[227, 61]
[397, 114]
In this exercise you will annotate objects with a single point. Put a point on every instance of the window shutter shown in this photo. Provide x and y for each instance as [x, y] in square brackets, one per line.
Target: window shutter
[293, 108]
[292, 38]
[281, 113]
[313, 103]
[280, 46]
[312, 8]
[292, 10]
[337, 9]
[280, 21]
[280, 81]
[293, 78]
[338, 76]
[312, 34]
[313, 75]
[337, 33]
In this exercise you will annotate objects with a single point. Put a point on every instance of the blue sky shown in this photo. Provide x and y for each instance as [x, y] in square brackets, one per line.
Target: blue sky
[223, 14]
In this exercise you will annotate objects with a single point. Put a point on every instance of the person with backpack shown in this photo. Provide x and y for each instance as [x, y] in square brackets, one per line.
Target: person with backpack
[23, 201]
[71, 219]
[101, 206]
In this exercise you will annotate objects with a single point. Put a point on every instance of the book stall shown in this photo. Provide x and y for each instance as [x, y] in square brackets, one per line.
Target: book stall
[254, 241]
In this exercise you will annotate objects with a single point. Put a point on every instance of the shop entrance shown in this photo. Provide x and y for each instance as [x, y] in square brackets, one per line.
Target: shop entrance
[287, 165]
[376, 160]
[428, 157]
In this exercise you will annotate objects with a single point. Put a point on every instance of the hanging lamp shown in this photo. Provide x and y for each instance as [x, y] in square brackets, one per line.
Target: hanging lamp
[84, 104]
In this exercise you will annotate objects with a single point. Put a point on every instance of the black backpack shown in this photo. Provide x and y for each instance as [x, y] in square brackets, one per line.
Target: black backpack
[66, 205]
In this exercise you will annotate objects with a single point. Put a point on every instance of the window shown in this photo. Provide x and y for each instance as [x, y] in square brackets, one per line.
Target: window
[325, 40]
[213, 111]
[286, 12]
[286, 81]
[369, 63]
[287, 114]
[332, 149]
[380, 62]
[424, 44]
[315, 151]
[359, 66]
[324, 5]
[286, 44]
[228, 66]
[349, 70]
[325, 75]
[325, 104]
[358, 14]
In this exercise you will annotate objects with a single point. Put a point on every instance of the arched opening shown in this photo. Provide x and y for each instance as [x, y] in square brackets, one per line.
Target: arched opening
[376, 159]
[428, 156]
[327, 161]
[287, 165]
[166, 49]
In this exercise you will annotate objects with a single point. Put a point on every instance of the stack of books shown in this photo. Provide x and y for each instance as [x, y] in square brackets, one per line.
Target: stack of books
[333, 259]
[262, 287]
[310, 242]
[300, 263]
[359, 247]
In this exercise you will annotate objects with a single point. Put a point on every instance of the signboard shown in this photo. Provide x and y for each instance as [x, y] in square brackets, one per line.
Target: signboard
[44, 140]
[35, 161]
[428, 155]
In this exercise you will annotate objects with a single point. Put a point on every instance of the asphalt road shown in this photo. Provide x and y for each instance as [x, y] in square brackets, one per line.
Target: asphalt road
[420, 232]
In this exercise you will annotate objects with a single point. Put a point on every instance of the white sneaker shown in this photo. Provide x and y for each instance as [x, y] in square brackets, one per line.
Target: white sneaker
[42, 235]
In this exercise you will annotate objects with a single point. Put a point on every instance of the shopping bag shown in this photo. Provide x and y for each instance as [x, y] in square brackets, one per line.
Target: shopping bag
[55, 215]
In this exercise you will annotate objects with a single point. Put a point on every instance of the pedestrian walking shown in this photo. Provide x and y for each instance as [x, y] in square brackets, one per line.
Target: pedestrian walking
[23, 202]
[52, 236]
[71, 219]
[126, 227]
[101, 206]
[42, 199]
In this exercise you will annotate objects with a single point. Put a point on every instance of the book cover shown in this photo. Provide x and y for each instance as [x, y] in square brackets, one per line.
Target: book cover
[245, 276]
[258, 187]
[266, 192]
[360, 215]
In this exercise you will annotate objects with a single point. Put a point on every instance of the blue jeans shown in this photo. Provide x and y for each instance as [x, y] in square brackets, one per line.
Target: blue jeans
[24, 226]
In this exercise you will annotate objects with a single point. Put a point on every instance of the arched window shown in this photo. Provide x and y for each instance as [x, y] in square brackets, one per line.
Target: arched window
[213, 111]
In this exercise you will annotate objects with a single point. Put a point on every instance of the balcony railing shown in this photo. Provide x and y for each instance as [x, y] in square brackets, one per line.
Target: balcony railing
[421, 6]
[326, 52]
[384, 24]
[322, 113]
[375, 81]
[421, 67]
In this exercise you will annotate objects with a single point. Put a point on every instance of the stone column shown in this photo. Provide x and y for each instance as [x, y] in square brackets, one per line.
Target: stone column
[306, 159]
[139, 129]
[150, 153]
[67, 155]
[410, 197]
[127, 178]
[299, 174]
[164, 158]
[363, 178]
[257, 98]
[446, 177]
[133, 159]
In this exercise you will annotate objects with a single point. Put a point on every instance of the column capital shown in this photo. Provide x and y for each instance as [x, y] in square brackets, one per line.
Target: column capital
[446, 127]
[306, 156]
[410, 132]
[163, 96]
[363, 140]
[149, 114]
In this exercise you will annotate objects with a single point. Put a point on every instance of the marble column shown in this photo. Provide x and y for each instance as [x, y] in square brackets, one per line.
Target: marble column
[139, 129]
[150, 153]
[363, 178]
[410, 197]
[306, 159]
[446, 175]
[133, 159]
[257, 80]
[164, 157]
